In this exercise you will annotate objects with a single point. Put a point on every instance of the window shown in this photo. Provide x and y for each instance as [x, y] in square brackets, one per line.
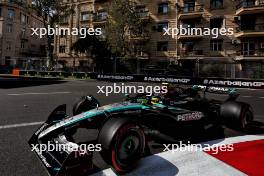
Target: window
[23, 32]
[248, 23]
[187, 46]
[189, 6]
[101, 16]
[162, 46]
[216, 45]
[8, 61]
[42, 49]
[163, 8]
[248, 3]
[162, 25]
[216, 23]
[11, 14]
[217, 4]
[142, 11]
[27, 19]
[22, 45]
[62, 49]
[8, 46]
[10, 28]
[248, 47]
[85, 16]
[23, 19]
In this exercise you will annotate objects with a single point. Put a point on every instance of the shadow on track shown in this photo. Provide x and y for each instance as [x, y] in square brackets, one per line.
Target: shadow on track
[256, 128]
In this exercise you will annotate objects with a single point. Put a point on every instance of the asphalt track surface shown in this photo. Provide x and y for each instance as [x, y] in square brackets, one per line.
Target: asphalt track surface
[23, 108]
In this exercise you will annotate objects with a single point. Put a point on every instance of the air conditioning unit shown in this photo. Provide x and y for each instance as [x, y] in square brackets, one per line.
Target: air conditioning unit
[237, 18]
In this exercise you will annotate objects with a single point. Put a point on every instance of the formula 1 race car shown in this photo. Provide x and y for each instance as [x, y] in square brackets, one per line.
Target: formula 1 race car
[123, 130]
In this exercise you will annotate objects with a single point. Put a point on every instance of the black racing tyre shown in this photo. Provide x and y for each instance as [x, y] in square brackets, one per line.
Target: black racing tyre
[247, 116]
[86, 103]
[123, 144]
[237, 114]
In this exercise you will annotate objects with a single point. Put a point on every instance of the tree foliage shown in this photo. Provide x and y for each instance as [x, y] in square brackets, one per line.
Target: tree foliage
[123, 21]
[97, 49]
[52, 12]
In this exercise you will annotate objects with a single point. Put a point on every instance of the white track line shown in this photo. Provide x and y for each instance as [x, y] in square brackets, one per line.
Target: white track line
[40, 93]
[20, 125]
[247, 96]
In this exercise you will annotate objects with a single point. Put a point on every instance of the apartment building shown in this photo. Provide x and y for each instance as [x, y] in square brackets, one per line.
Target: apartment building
[241, 51]
[17, 47]
[81, 18]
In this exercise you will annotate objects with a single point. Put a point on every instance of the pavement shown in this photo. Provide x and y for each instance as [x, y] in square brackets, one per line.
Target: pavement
[24, 107]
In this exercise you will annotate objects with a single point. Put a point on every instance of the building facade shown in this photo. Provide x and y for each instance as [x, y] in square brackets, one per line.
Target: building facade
[237, 54]
[18, 48]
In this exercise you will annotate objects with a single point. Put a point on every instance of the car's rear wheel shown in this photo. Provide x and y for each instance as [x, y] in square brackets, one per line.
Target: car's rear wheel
[246, 117]
[125, 147]
[237, 114]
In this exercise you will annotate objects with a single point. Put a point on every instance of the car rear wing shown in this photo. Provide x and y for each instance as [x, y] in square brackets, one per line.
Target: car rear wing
[61, 160]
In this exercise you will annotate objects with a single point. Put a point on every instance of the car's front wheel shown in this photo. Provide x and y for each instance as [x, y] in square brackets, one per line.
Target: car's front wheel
[123, 144]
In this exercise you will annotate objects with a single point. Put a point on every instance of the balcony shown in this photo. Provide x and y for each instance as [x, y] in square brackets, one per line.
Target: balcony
[250, 31]
[139, 37]
[250, 54]
[191, 12]
[250, 7]
[190, 37]
[191, 53]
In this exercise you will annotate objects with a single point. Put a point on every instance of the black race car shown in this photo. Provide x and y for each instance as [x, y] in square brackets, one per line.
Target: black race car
[123, 130]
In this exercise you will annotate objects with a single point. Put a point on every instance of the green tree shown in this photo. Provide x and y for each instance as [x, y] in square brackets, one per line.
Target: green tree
[97, 49]
[123, 22]
[52, 12]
